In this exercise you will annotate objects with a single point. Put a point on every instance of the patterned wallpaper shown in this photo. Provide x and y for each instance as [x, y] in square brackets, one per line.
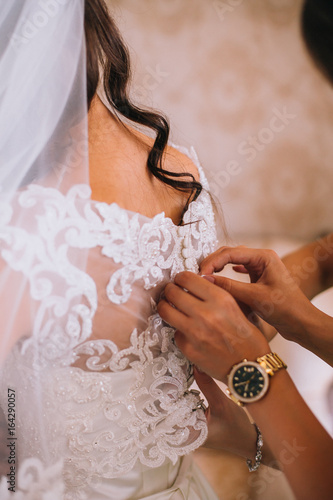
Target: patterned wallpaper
[237, 83]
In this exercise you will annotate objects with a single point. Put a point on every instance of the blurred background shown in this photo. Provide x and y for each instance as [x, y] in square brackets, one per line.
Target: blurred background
[237, 84]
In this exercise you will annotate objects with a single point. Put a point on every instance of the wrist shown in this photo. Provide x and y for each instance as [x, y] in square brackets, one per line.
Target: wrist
[298, 321]
[249, 381]
[317, 336]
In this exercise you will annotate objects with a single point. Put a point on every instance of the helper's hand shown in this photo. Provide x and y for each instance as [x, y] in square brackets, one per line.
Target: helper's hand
[229, 428]
[272, 293]
[212, 330]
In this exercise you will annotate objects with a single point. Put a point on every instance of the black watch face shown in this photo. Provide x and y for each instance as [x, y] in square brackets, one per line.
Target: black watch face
[249, 382]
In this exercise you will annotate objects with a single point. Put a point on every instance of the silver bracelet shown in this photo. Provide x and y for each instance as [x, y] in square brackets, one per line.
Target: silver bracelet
[258, 457]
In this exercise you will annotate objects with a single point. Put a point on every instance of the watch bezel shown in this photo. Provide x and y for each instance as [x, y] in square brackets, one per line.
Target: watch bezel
[235, 393]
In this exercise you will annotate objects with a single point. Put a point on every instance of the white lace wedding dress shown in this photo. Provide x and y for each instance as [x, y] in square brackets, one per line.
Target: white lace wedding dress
[113, 415]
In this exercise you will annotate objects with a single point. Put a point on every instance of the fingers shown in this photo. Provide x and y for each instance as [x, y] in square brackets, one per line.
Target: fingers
[240, 269]
[242, 292]
[200, 288]
[185, 302]
[219, 259]
[248, 258]
[172, 316]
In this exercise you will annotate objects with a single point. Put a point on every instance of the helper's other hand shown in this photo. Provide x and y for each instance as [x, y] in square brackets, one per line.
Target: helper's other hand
[229, 428]
[272, 294]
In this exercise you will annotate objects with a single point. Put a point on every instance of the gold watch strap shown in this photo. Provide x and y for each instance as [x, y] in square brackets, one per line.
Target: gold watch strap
[234, 399]
[271, 363]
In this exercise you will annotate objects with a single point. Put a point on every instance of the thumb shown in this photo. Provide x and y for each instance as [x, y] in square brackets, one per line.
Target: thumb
[214, 395]
[242, 292]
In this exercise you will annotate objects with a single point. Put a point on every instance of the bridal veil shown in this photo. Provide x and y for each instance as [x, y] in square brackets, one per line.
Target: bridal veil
[43, 144]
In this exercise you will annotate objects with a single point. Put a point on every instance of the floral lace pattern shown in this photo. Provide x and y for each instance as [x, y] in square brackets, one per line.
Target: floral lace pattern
[126, 406]
[144, 248]
[155, 416]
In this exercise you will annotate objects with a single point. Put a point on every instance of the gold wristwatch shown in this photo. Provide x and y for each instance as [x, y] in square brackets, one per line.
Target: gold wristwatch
[248, 381]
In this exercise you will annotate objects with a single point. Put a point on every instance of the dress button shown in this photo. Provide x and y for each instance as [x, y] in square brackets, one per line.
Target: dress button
[186, 253]
[188, 263]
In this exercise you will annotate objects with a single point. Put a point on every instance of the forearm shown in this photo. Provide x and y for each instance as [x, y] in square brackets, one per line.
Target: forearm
[317, 334]
[300, 444]
[312, 266]
[312, 269]
[305, 324]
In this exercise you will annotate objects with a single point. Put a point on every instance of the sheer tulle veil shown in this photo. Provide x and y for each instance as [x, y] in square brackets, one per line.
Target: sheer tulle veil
[43, 157]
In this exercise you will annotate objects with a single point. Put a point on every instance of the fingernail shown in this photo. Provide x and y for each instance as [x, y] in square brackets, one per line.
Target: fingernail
[209, 278]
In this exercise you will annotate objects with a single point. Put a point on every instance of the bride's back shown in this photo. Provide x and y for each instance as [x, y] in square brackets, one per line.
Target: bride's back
[123, 186]
[126, 197]
[118, 156]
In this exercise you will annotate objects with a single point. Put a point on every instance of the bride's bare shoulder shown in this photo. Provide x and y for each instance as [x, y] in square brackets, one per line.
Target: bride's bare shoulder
[174, 160]
[181, 162]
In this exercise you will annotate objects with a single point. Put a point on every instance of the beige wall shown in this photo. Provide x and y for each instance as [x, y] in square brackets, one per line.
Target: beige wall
[225, 72]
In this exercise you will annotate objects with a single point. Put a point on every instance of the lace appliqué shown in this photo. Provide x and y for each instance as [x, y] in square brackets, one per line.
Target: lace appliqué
[158, 245]
[153, 417]
[66, 295]
[145, 251]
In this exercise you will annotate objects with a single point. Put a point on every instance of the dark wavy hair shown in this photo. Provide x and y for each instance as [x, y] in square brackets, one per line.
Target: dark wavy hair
[317, 30]
[106, 49]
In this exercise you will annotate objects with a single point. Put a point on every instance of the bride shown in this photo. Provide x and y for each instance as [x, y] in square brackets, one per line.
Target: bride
[95, 218]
